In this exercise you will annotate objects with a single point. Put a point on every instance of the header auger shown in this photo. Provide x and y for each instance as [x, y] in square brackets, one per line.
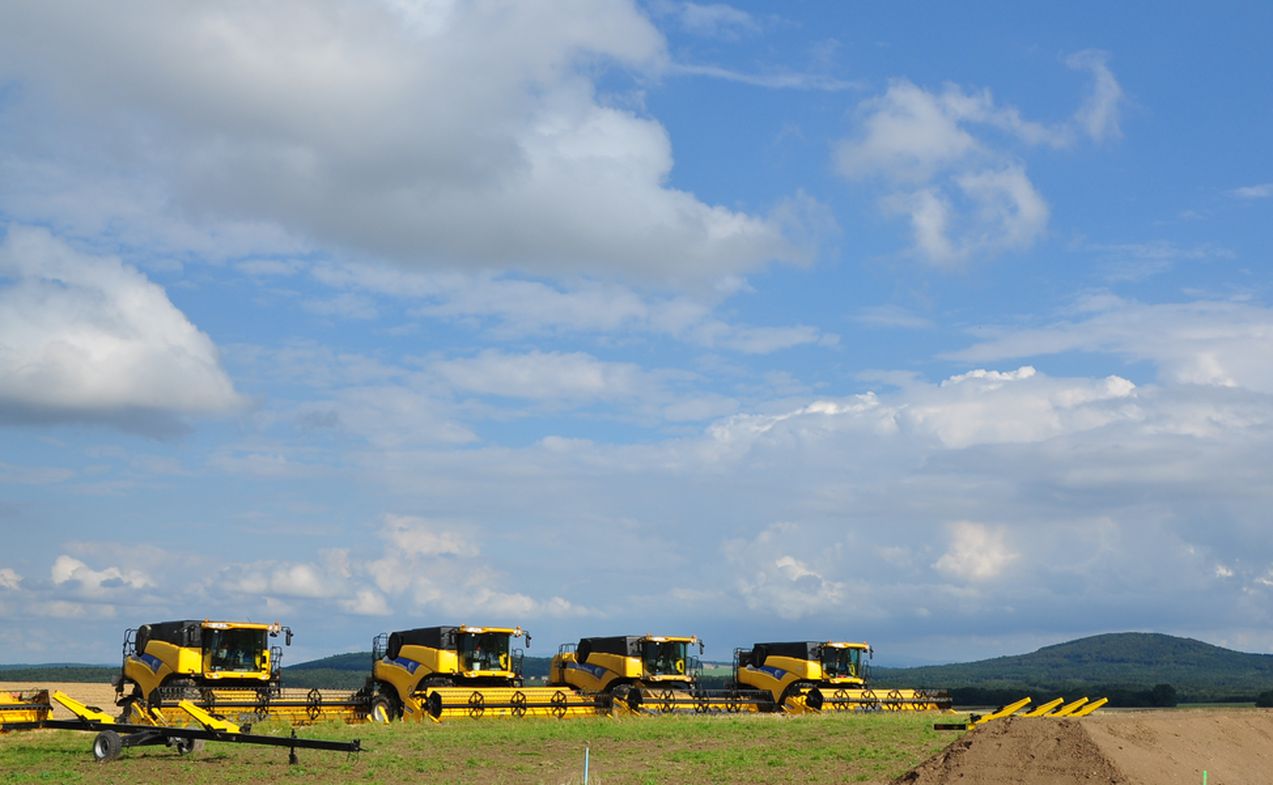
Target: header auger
[460, 671]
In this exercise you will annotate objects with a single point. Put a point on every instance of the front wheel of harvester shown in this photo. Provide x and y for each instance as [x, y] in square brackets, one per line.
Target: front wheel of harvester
[382, 710]
[107, 746]
[125, 711]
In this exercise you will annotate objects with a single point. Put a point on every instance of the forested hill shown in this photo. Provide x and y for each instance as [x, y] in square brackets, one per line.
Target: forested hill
[1197, 670]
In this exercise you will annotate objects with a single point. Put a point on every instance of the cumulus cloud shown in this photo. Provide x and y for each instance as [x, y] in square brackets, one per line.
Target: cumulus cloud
[435, 566]
[353, 126]
[413, 536]
[976, 552]
[947, 162]
[9, 579]
[67, 570]
[86, 337]
[771, 579]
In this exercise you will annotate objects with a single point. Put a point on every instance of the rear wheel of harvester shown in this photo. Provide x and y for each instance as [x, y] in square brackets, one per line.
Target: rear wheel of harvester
[107, 746]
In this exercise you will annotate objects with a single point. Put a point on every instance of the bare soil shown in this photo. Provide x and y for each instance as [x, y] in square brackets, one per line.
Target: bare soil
[1234, 747]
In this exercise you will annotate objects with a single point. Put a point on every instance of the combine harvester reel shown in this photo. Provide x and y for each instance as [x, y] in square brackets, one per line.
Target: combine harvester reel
[813, 676]
[113, 737]
[461, 671]
[646, 674]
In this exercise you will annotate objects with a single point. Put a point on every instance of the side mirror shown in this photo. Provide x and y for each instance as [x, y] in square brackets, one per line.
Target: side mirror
[528, 640]
[287, 635]
[700, 648]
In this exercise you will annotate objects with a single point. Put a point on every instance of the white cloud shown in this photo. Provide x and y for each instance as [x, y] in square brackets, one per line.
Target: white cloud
[353, 127]
[772, 580]
[976, 552]
[514, 307]
[414, 536]
[90, 338]
[716, 20]
[892, 316]
[1098, 116]
[1223, 344]
[69, 570]
[948, 161]
[548, 376]
[10, 580]
[1260, 191]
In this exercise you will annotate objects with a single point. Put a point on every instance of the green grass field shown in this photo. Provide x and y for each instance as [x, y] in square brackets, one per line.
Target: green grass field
[872, 748]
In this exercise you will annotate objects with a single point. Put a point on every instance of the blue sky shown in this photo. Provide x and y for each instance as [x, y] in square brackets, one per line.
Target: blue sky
[946, 328]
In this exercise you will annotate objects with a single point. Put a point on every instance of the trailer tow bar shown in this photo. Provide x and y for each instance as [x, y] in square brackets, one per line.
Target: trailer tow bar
[114, 737]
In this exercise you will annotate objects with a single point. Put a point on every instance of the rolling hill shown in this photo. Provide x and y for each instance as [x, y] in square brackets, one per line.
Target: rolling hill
[1132, 661]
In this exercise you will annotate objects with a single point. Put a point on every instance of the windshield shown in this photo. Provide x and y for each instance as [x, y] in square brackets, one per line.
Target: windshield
[241, 651]
[841, 663]
[664, 658]
[486, 651]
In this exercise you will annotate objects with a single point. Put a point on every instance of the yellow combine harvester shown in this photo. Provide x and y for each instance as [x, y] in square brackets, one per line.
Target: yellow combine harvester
[220, 666]
[644, 673]
[464, 671]
[803, 676]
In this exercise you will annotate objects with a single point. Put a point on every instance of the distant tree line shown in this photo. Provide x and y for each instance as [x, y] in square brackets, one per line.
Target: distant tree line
[1158, 696]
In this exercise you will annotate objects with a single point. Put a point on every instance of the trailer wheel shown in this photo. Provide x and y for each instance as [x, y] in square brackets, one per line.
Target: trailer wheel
[107, 746]
[188, 746]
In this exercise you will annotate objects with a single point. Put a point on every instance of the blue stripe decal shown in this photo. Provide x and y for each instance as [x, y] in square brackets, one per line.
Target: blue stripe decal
[402, 662]
[596, 670]
[151, 661]
[777, 673]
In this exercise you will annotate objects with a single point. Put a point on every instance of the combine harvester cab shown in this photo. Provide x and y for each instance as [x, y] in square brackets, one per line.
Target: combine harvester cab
[455, 671]
[642, 673]
[224, 667]
[803, 676]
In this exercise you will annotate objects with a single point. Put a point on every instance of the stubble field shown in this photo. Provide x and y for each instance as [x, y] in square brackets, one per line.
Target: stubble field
[633, 751]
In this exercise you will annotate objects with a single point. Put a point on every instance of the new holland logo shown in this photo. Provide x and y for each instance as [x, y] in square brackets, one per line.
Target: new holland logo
[596, 670]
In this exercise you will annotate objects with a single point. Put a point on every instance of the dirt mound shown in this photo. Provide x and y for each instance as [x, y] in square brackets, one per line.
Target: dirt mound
[1019, 752]
[1235, 747]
